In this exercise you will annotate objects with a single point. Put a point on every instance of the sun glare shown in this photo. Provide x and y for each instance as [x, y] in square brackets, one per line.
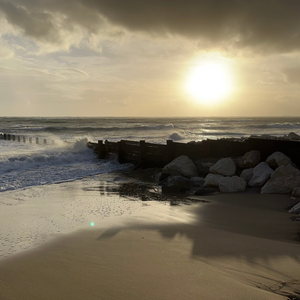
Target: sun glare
[209, 83]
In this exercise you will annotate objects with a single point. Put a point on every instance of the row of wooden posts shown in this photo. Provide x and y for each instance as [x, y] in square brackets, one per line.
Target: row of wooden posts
[11, 137]
[159, 155]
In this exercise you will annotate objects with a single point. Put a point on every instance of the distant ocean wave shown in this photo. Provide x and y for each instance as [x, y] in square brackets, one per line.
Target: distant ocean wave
[277, 126]
[225, 133]
[91, 128]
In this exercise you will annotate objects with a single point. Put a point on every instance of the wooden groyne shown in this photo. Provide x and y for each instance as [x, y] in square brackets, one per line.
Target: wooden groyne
[156, 155]
[24, 139]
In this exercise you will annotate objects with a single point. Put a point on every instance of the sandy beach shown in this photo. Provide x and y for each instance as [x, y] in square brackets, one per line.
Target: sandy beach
[233, 246]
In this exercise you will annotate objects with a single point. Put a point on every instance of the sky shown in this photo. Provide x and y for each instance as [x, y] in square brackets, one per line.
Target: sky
[137, 57]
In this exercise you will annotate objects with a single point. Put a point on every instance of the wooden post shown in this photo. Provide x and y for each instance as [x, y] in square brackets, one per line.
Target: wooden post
[19, 138]
[101, 149]
[106, 148]
[30, 140]
[170, 150]
[37, 140]
[13, 137]
[24, 139]
[8, 137]
[143, 151]
[121, 152]
[5, 136]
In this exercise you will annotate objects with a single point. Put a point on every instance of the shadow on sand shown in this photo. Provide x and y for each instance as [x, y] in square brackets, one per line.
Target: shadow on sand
[250, 227]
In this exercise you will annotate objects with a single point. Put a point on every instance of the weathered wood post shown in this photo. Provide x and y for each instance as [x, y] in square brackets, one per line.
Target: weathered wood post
[100, 149]
[19, 138]
[106, 147]
[30, 140]
[45, 142]
[143, 151]
[37, 140]
[170, 150]
[5, 136]
[24, 139]
[121, 152]
[13, 137]
[8, 137]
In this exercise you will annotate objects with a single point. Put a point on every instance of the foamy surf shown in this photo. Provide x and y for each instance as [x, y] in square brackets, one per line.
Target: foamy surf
[33, 165]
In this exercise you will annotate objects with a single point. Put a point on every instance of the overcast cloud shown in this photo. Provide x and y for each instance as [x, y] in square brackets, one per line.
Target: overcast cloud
[269, 25]
[133, 57]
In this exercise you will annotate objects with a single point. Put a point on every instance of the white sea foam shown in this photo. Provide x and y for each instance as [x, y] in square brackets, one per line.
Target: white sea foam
[175, 136]
[32, 165]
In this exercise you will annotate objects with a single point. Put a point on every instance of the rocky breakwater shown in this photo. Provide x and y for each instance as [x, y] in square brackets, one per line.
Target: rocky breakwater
[278, 174]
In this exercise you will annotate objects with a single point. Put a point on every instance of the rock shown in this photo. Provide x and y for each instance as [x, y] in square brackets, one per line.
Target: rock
[281, 185]
[181, 165]
[204, 164]
[250, 160]
[247, 174]
[284, 171]
[202, 169]
[296, 192]
[176, 184]
[295, 209]
[278, 159]
[205, 191]
[261, 174]
[232, 184]
[212, 180]
[224, 166]
[161, 177]
[197, 181]
[293, 136]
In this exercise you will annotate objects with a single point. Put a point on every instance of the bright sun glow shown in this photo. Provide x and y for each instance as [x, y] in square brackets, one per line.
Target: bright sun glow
[209, 83]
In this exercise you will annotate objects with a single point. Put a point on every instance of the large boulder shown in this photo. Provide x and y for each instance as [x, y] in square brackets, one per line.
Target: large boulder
[261, 174]
[204, 164]
[278, 159]
[175, 184]
[181, 165]
[247, 174]
[212, 180]
[250, 160]
[224, 166]
[197, 181]
[161, 177]
[296, 192]
[282, 171]
[232, 184]
[281, 185]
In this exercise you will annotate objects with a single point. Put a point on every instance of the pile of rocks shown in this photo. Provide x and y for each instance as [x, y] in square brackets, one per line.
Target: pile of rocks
[277, 174]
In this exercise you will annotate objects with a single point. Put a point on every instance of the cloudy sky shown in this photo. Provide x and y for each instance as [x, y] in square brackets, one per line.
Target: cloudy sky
[135, 57]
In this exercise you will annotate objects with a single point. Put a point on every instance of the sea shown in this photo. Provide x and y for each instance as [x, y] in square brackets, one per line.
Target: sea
[66, 157]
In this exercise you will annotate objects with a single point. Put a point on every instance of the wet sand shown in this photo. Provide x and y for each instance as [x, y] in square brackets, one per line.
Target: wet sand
[234, 246]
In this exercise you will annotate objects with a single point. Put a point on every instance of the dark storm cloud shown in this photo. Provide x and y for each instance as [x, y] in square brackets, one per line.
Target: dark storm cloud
[273, 25]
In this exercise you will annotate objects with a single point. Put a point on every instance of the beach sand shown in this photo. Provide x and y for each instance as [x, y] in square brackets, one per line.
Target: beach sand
[233, 246]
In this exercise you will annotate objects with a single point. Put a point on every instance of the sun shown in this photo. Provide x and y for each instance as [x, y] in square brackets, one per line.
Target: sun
[209, 83]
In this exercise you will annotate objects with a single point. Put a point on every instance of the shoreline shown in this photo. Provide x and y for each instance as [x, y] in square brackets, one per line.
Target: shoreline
[224, 246]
